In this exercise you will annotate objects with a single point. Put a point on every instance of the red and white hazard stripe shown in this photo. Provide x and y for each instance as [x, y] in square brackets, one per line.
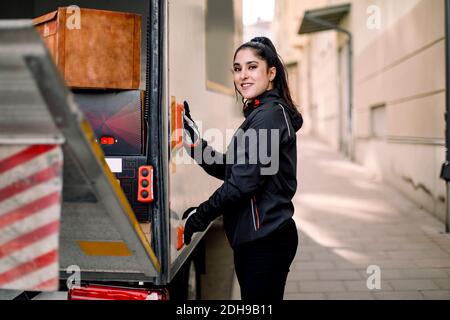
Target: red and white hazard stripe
[30, 210]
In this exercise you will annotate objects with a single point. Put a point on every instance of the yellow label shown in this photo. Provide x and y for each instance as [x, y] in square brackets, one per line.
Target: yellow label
[111, 249]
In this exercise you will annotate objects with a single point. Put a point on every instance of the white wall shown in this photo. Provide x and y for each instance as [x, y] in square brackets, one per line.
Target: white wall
[400, 65]
[403, 66]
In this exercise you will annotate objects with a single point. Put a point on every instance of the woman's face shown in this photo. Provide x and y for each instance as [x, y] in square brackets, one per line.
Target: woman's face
[251, 74]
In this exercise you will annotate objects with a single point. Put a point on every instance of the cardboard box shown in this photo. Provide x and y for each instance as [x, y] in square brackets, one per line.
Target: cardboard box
[94, 48]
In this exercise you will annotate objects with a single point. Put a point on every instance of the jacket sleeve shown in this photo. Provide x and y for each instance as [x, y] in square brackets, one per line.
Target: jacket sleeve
[210, 160]
[247, 172]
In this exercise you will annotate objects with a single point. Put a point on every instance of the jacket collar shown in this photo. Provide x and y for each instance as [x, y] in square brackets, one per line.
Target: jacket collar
[264, 98]
[271, 96]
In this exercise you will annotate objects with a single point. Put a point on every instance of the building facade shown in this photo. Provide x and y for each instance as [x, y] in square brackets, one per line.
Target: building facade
[379, 99]
[260, 28]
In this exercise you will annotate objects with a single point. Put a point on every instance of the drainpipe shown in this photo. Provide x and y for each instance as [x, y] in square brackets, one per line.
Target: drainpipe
[350, 75]
[445, 172]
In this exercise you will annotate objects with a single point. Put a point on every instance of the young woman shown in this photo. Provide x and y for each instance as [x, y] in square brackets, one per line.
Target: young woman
[255, 197]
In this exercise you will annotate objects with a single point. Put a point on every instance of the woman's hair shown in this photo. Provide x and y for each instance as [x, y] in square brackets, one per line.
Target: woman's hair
[265, 50]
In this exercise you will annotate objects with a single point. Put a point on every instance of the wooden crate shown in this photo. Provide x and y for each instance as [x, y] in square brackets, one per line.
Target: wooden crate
[102, 51]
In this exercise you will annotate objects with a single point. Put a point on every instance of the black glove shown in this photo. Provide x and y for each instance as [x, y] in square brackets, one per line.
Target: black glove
[192, 137]
[195, 223]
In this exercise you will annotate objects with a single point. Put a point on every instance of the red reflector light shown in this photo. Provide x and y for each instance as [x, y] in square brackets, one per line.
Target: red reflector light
[98, 292]
[145, 184]
[107, 140]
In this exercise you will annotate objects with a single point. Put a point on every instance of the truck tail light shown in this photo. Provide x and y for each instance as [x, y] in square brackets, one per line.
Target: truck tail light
[99, 292]
[107, 140]
[145, 184]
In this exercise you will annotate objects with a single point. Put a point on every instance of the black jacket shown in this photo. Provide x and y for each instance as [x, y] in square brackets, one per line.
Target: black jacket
[255, 198]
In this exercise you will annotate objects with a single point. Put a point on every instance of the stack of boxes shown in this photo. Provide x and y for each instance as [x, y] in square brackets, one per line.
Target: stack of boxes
[98, 54]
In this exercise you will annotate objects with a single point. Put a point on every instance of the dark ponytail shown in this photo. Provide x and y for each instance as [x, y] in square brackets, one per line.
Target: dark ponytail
[266, 51]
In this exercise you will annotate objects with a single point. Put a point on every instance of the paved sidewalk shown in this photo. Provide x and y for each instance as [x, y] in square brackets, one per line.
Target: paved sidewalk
[348, 220]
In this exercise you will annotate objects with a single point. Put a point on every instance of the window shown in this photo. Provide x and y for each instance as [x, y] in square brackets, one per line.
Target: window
[378, 121]
[220, 33]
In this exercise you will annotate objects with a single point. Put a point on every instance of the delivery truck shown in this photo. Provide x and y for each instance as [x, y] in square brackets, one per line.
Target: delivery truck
[92, 188]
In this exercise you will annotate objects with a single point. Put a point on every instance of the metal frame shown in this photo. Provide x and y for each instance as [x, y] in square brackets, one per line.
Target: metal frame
[158, 134]
[445, 172]
[84, 157]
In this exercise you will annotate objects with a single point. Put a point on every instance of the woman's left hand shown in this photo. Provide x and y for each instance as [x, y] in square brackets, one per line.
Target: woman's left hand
[194, 223]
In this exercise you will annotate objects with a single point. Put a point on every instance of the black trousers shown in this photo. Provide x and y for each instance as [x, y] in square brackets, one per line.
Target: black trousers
[262, 265]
